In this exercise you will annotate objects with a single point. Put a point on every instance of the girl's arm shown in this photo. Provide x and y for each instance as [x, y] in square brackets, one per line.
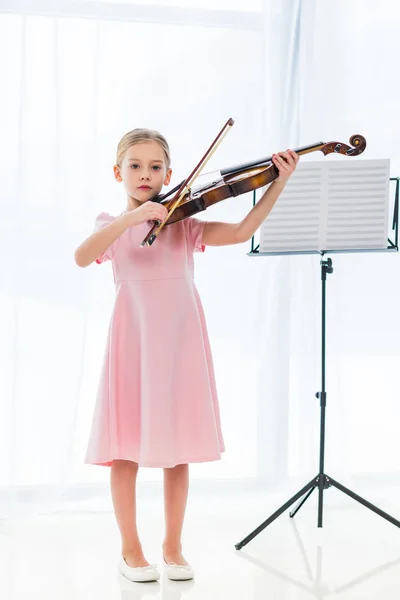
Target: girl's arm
[224, 234]
[99, 241]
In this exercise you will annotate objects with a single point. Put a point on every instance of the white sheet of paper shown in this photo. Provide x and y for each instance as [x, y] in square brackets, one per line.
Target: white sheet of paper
[331, 205]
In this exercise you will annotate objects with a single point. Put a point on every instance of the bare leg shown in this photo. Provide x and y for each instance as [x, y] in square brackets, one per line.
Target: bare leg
[176, 486]
[123, 490]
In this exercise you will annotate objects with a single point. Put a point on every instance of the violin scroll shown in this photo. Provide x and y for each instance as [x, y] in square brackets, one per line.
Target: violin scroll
[358, 143]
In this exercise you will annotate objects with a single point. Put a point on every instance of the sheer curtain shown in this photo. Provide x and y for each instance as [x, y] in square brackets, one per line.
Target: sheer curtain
[76, 78]
[335, 74]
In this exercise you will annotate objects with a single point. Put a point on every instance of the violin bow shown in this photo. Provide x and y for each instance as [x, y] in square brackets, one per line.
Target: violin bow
[185, 186]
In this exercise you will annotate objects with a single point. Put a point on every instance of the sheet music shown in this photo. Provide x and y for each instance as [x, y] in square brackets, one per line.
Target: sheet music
[331, 205]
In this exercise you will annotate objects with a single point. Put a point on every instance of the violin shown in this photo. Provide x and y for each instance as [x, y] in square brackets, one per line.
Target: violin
[235, 181]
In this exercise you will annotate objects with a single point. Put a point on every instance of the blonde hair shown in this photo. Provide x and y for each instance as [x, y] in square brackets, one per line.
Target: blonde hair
[136, 136]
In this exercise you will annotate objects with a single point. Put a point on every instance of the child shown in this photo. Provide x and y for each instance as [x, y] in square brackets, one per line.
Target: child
[157, 402]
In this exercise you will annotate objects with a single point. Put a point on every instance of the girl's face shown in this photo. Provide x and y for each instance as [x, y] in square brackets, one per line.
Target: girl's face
[143, 171]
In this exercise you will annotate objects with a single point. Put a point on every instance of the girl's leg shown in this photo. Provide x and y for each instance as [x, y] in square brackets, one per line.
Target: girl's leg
[123, 490]
[176, 486]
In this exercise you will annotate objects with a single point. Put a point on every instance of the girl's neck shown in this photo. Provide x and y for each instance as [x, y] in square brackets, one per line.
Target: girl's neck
[132, 203]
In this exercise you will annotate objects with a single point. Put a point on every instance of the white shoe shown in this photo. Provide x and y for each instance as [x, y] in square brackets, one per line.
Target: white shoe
[138, 574]
[178, 572]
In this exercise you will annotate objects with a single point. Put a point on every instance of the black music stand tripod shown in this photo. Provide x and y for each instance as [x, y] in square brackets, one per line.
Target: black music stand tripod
[321, 481]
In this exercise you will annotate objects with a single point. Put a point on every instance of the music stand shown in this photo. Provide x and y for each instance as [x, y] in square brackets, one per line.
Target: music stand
[322, 481]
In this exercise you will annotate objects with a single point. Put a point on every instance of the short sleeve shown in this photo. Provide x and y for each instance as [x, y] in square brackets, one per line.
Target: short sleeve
[194, 233]
[102, 220]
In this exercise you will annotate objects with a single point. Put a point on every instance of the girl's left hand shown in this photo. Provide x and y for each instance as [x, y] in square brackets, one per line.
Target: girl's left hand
[286, 163]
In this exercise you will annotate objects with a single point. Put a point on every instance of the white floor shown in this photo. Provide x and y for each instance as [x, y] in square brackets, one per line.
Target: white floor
[356, 555]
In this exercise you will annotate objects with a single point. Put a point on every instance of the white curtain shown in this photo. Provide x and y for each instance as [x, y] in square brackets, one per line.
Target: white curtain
[335, 75]
[78, 76]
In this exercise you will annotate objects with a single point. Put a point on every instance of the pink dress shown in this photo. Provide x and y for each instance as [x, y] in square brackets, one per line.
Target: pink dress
[157, 402]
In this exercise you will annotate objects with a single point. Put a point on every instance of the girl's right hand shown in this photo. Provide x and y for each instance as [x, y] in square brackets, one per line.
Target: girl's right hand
[149, 211]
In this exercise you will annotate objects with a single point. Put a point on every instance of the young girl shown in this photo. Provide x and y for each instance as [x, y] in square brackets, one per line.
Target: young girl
[157, 402]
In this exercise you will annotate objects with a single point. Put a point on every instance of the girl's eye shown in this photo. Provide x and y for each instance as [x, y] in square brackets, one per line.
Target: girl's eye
[156, 167]
[133, 166]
